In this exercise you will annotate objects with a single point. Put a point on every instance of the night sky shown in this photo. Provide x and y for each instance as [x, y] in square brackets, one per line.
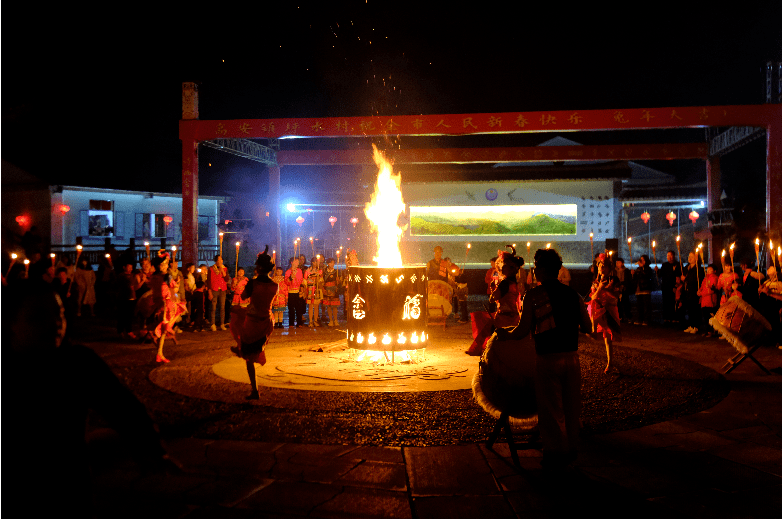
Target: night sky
[92, 96]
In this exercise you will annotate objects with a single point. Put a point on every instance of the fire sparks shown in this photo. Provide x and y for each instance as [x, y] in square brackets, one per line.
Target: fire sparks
[383, 212]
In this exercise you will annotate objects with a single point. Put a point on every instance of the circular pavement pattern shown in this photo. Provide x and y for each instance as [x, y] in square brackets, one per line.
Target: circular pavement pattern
[322, 397]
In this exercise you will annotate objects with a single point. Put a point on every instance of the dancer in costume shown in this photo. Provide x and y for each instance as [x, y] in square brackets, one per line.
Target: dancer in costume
[252, 333]
[166, 305]
[281, 299]
[331, 283]
[314, 276]
[603, 308]
[729, 283]
[505, 297]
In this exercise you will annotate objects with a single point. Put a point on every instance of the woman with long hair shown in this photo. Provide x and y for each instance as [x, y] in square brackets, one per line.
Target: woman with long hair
[603, 307]
[505, 297]
[167, 308]
[252, 332]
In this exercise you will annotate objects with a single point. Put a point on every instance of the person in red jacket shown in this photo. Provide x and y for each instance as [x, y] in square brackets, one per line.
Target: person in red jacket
[293, 280]
[710, 299]
[217, 282]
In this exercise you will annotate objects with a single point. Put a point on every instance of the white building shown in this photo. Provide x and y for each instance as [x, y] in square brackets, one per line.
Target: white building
[93, 215]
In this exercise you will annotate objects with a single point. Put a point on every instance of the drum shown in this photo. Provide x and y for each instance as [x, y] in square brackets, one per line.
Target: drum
[740, 324]
[505, 381]
[440, 293]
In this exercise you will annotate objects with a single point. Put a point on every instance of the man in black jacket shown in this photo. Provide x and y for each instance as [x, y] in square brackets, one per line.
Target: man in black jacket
[669, 273]
[554, 313]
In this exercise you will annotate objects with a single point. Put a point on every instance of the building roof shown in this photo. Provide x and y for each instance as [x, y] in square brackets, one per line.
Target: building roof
[665, 193]
[148, 194]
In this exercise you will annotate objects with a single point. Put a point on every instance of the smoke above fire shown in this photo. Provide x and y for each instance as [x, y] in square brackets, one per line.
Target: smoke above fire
[383, 212]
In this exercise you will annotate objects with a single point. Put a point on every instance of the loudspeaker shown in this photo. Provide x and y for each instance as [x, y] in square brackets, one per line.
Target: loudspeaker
[613, 244]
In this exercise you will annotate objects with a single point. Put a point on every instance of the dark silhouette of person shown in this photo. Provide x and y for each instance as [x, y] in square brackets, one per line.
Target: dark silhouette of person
[554, 313]
[55, 384]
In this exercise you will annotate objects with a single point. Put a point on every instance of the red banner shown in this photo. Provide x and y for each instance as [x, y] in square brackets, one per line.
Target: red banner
[499, 123]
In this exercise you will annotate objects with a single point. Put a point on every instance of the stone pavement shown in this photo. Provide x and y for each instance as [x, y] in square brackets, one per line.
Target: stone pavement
[722, 462]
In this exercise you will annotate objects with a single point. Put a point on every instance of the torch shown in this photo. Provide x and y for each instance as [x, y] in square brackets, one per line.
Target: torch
[548, 246]
[146, 245]
[679, 252]
[173, 253]
[654, 258]
[237, 258]
[757, 251]
[773, 254]
[467, 252]
[79, 248]
[108, 258]
[630, 248]
[591, 244]
[221, 243]
[731, 253]
[338, 251]
[779, 253]
[274, 257]
[312, 245]
[53, 256]
[26, 268]
[722, 259]
[698, 264]
[13, 260]
[528, 248]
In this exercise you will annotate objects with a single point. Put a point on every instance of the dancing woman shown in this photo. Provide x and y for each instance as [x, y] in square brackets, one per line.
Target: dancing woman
[603, 309]
[167, 307]
[506, 300]
[252, 333]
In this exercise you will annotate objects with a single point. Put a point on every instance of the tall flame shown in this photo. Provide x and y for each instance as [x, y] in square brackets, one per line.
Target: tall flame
[383, 212]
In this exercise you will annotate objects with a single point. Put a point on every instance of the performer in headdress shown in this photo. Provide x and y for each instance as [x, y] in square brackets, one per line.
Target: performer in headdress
[166, 306]
[506, 299]
[252, 333]
[603, 308]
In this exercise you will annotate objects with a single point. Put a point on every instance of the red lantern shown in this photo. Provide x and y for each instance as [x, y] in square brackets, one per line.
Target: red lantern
[300, 220]
[354, 221]
[694, 216]
[23, 220]
[645, 217]
[168, 219]
[670, 217]
[64, 209]
[332, 221]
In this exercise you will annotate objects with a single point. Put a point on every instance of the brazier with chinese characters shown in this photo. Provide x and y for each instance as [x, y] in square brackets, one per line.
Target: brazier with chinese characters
[386, 309]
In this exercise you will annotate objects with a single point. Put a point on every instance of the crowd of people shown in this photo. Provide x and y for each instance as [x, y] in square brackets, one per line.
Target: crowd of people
[153, 299]
[691, 295]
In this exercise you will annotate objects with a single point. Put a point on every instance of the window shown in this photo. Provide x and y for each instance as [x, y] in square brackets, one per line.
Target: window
[153, 225]
[206, 227]
[100, 218]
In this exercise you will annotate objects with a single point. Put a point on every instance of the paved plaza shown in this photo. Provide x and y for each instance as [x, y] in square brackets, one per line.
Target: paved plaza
[724, 461]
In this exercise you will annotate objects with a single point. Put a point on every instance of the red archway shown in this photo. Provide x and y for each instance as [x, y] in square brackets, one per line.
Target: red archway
[192, 131]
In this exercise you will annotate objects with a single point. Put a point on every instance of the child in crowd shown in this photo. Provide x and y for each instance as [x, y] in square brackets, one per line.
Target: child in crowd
[197, 306]
[331, 283]
[709, 294]
[729, 283]
[281, 299]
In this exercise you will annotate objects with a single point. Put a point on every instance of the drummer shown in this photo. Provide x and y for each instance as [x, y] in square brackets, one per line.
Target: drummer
[554, 313]
[770, 301]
